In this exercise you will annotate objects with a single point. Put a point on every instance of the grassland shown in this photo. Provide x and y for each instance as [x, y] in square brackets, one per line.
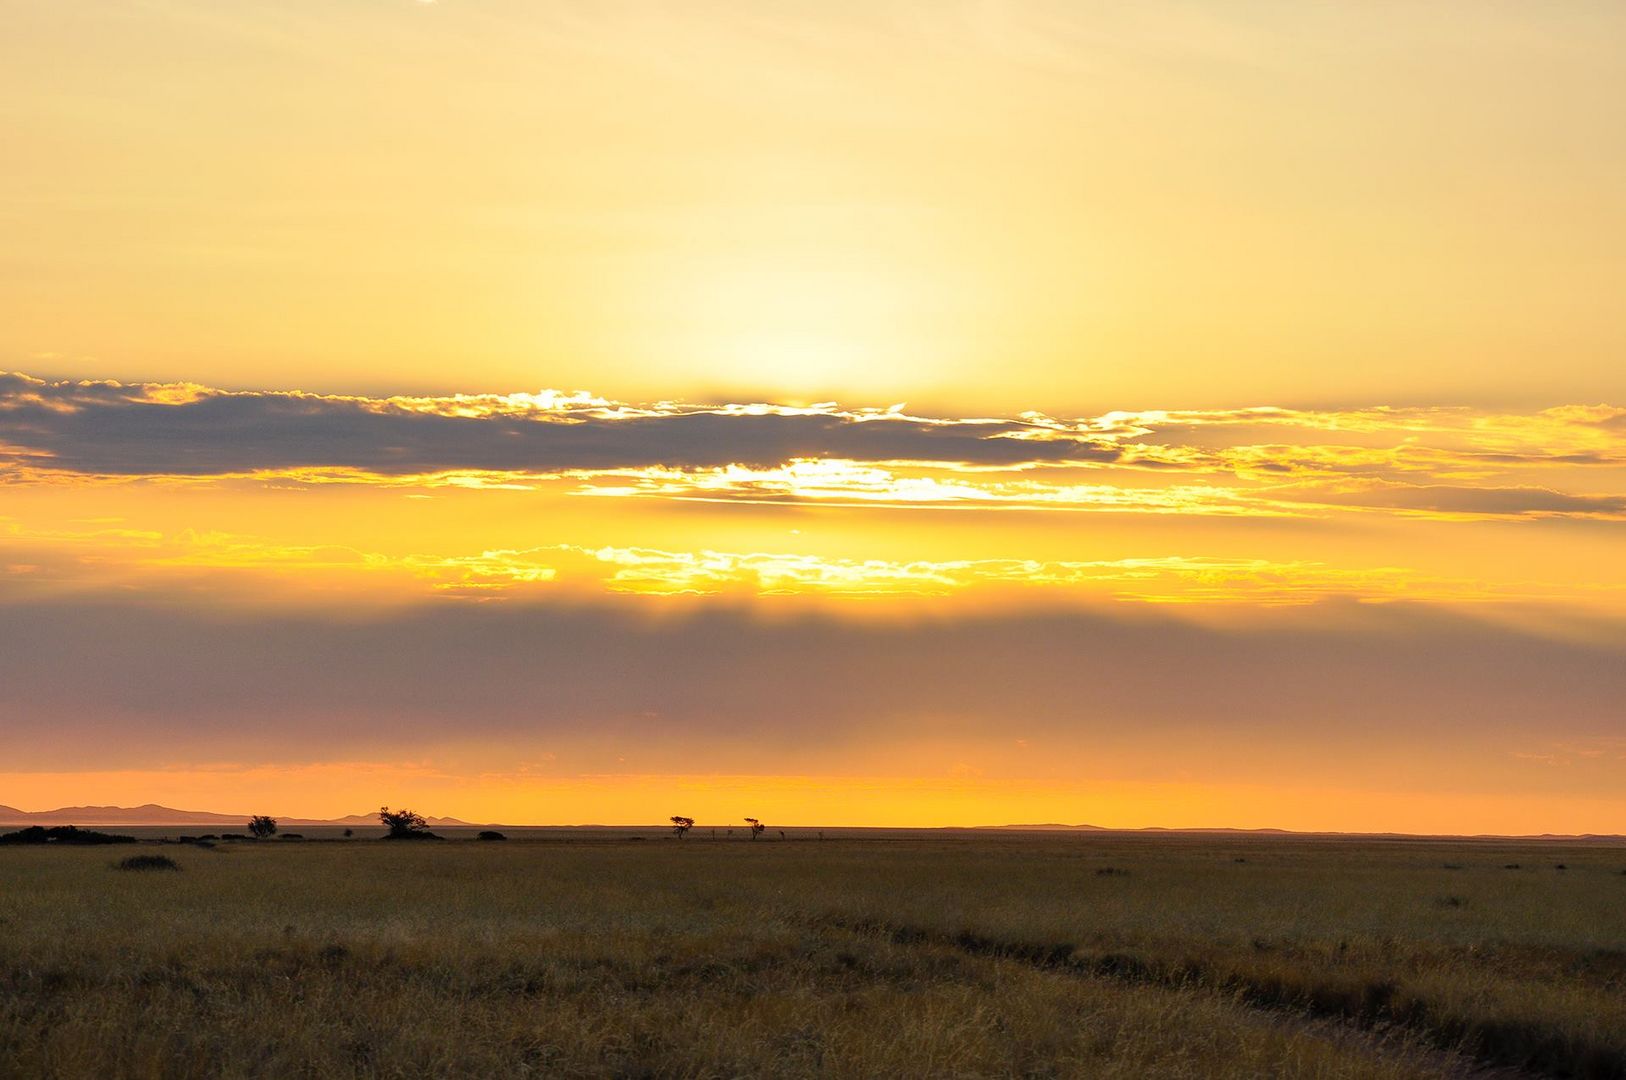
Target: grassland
[1006, 956]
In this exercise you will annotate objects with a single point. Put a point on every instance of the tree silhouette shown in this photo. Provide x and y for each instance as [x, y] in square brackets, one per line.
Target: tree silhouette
[681, 825]
[262, 826]
[403, 824]
[757, 827]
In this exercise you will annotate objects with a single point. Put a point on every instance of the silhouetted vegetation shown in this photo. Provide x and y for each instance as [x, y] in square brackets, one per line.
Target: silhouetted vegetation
[63, 834]
[490, 834]
[404, 824]
[147, 862]
[293, 836]
[757, 827]
[681, 825]
[261, 826]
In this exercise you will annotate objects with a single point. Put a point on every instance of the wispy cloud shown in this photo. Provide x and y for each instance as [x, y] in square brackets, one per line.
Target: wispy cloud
[39, 564]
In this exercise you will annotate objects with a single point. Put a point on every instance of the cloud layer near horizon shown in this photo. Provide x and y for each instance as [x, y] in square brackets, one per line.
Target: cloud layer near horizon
[610, 688]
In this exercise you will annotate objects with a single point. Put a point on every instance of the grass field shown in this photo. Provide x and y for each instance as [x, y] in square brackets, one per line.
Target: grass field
[1006, 956]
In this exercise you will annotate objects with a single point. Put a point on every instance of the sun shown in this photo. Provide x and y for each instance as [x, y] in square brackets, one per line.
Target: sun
[807, 327]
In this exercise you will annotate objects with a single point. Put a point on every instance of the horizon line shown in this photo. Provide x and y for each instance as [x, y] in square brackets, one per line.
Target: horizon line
[447, 822]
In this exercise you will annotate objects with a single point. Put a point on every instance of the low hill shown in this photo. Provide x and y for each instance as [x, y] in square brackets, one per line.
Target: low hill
[1047, 827]
[153, 814]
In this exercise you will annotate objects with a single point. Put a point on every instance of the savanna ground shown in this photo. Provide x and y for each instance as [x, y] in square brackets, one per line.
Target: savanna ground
[999, 956]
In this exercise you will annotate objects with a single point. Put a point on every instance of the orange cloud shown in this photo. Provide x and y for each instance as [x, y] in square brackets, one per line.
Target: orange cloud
[40, 563]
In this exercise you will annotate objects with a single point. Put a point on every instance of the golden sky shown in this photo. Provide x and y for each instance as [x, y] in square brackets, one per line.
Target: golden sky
[890, 413]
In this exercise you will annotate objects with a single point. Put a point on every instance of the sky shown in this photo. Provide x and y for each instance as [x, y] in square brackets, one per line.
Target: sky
[897, 413]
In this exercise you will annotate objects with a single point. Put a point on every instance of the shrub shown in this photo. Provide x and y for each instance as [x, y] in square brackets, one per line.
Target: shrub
[261, 826]
[490, 834]
[63, 834]
[146, 862]
[293, 836]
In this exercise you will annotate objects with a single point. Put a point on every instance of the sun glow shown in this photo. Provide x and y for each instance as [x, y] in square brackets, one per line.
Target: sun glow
[794, 325]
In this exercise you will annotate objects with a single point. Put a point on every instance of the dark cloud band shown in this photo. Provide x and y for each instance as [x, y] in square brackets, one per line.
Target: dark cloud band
[91, 675]
[1393, 460]
[106, 428]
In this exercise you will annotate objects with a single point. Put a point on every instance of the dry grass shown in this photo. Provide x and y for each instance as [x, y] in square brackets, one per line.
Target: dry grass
[694, 959]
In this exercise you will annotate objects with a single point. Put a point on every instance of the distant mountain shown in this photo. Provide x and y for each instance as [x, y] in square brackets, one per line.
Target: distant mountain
[149, 814]
[153, 814]
[372, 819]
[1047, 827]
[1223, 829]
[1053, 827]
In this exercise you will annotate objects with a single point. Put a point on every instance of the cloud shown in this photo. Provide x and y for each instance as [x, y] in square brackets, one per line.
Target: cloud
[94, 684]
[1440, 500]
[1256, 462]
[113, 429]
[847, 483]
[220, 569]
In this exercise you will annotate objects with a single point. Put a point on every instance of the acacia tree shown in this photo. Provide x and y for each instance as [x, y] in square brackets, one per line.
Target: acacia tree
[403, 824]
[757, 827]
[681, 825]
[262, 826]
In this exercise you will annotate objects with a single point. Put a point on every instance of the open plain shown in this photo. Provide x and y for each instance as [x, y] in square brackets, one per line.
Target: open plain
[997, 955]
